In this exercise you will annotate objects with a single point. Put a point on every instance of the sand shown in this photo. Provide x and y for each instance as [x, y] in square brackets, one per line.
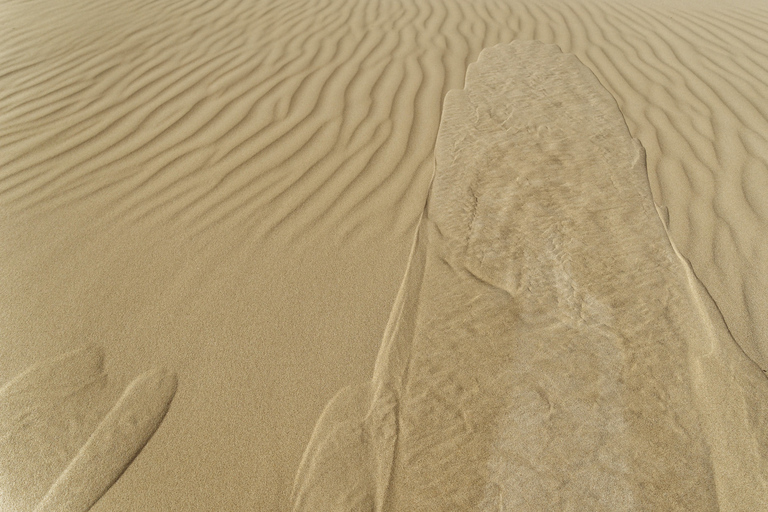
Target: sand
[548, 350]
[230, 191]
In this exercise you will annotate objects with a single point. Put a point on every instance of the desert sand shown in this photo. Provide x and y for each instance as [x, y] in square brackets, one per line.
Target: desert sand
[213, 215]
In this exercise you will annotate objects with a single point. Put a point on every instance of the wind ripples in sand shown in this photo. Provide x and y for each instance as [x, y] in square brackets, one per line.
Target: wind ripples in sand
[305, 119]
[298, 115]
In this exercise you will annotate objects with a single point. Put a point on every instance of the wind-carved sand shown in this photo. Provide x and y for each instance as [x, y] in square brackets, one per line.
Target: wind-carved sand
[549, 348]
[63, 442]
[158, 160]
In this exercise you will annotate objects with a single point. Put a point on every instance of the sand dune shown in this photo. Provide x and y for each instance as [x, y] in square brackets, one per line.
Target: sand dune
[230, 189]
[323, 115]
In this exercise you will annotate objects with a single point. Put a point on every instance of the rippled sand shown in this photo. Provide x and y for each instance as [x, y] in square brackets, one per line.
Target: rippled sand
[548, 350]
[229, 190]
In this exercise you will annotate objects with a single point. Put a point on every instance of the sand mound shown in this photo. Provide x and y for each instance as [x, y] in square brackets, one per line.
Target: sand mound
[548, 350]
[62, 444]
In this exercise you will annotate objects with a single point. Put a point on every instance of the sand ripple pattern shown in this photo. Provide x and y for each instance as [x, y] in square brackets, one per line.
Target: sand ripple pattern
[547, 350]
[305, 117]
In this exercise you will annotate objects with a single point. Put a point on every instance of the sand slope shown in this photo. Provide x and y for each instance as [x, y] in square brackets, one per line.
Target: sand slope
[229, 189]
[548, 350]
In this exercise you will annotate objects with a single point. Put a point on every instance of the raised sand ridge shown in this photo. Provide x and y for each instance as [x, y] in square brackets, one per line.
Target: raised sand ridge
[549, 349]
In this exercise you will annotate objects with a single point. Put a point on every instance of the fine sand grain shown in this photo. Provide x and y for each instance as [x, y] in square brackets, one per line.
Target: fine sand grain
[230, 190]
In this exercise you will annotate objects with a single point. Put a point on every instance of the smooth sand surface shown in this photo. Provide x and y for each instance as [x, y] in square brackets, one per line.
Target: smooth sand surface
[230, 190]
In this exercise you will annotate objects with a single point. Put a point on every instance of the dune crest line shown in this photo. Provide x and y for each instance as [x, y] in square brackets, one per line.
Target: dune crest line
[549, 348]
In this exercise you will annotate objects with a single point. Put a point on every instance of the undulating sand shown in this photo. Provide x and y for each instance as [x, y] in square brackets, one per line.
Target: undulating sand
[547, 349]
[207, 210]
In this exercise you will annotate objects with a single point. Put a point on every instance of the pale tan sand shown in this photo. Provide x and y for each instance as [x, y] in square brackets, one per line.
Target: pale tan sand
[58, 450]
[113, 445]
[548, 350]
[63, 399]
[229, 190]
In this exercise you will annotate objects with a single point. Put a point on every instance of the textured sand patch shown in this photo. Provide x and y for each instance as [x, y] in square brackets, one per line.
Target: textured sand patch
[549, 350]
[63, 445]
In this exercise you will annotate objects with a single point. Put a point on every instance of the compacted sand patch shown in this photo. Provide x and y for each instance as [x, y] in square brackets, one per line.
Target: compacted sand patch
[549, 348]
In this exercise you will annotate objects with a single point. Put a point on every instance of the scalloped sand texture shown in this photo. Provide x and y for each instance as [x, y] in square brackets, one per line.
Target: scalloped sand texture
[230, 189]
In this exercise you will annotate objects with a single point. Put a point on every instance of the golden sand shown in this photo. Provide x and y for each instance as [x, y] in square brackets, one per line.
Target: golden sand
[230, 190]
[548, 349]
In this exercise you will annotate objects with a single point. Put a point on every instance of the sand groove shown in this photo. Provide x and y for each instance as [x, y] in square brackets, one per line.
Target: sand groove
[62, 445]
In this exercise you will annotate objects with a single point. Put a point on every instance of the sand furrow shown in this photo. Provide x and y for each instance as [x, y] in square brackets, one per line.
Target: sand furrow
[732, 115]
[748, 22]
[653, 78]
